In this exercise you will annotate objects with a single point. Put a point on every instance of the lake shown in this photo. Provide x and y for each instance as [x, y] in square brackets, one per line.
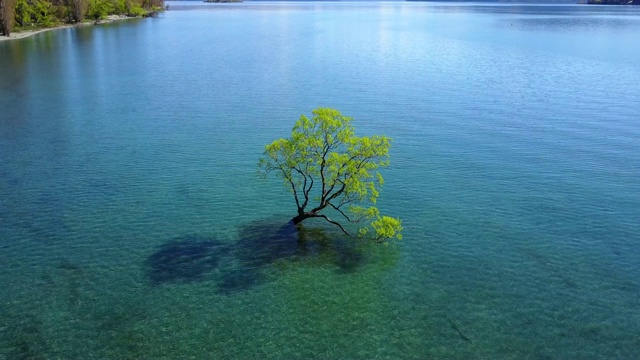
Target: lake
[133, 224]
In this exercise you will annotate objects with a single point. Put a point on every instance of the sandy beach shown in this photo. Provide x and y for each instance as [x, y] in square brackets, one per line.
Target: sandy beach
[27, 33]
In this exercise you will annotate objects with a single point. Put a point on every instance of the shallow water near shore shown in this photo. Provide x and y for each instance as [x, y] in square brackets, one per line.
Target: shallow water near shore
[133, 225]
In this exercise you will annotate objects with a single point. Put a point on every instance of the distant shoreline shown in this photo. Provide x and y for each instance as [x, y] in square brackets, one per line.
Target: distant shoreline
[28, 33]
[613, 2]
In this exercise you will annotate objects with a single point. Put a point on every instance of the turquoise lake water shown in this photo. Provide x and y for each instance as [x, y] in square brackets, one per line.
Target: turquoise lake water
[133, 224]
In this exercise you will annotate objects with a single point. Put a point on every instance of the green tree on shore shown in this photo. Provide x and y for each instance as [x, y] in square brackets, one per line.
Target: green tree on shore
[328, 168]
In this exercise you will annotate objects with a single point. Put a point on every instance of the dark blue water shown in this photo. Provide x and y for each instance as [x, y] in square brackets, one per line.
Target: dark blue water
[133, 225]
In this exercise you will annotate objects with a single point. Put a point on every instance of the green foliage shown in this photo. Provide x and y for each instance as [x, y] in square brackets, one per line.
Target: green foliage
[324, 162]
[24, 13]
[137, 11]
[40, 13]
[100, 9]
[120, 6]
[384, 227]
[44, 13]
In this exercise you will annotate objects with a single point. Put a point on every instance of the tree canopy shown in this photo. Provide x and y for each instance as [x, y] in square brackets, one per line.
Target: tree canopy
[331, 170]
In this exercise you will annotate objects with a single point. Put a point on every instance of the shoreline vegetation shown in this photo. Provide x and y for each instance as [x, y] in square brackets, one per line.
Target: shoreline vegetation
[24, 18]
[30, 32]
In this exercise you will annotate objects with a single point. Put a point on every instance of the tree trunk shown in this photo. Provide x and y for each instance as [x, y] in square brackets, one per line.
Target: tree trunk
[302, 215]
[79, 9]
[7, 16]
[299, 218]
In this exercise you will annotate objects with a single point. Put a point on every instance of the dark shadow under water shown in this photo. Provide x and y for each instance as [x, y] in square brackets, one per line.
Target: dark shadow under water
[241, 265]
[184, 259]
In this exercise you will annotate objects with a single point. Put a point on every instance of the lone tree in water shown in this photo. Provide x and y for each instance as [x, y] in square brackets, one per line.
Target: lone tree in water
[328, 168]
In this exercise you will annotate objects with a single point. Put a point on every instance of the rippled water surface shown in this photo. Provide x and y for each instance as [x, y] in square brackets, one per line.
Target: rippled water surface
[133, 225]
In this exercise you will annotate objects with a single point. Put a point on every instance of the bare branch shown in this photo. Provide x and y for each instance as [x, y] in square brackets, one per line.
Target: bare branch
[333, 222]
[295, 193]
[337, 208]
[305, 190]
[337, 193]
[286, 175]
[306, 193]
